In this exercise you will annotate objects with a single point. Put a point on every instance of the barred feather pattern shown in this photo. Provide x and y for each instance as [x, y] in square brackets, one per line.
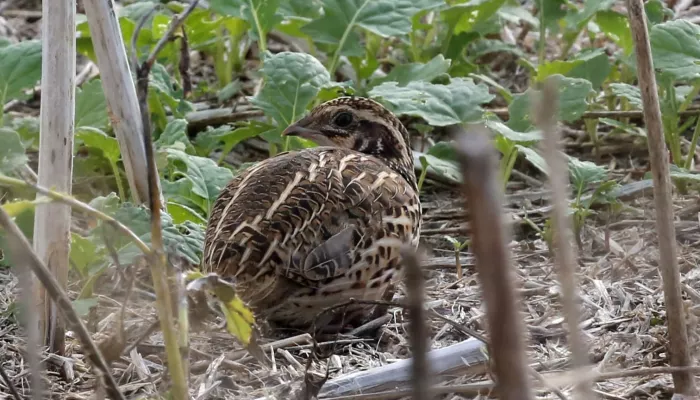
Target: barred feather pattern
[309, 229]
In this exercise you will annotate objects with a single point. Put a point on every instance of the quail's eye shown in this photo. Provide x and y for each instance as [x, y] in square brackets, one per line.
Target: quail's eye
[343, 120]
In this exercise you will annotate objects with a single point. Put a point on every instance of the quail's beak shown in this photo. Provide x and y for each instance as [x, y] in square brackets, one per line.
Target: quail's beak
[298, 130]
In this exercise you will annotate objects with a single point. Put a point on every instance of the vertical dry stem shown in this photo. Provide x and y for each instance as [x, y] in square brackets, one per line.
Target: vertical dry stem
[545, 113]
[120, 93]
[419, 334]
[668, 264]
[484, 197]
[52, 221]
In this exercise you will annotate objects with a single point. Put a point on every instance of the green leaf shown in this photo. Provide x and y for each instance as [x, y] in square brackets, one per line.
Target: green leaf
[629, 92]
[28, 130]
[84, 253]
[443, 151]
[551, 12]
[228, 137]
[82, 306]
[445, 170]
[291, 82]
[20, 69]
[175, 132]
[15, 208]
[527, 138]
[385, 18]
[616, 26]
[91, 106]
[593, 66]
[572, 102]
[97, 139]
[403, 74]
[440, 105]
[675, 47]
[474, 14]
[261, 14]
[181, 213]
[206, 177]
[584, 173]
[12, 153]
[534, 158]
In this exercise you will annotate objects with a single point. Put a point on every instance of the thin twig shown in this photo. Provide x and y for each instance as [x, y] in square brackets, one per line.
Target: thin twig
[489, 242]
[419, 332]
[545, 113]
[24, 257]
[679, 354]
[174, 25]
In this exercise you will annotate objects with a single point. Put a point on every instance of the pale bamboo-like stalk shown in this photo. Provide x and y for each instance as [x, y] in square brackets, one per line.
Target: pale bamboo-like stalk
[545, 115]
[483, 195]
[679, 354]
[52, 221]
[120, 93]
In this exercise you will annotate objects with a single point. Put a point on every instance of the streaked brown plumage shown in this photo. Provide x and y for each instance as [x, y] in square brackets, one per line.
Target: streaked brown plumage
[312, 228]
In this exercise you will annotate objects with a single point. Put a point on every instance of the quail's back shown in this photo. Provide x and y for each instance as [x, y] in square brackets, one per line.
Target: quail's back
[309, 229]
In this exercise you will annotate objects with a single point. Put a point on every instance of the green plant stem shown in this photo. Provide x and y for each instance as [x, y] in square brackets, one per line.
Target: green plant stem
[118, 177]
[423, 172]
[262, 36]
[543, 35]
[690, 97]
[507, 164]
[693, 145]
[336, 55]
[76, 204]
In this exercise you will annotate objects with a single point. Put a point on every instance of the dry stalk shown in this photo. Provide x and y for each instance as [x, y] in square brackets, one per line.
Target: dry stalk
[24, 258]
[679, 353]
[545, 115]
[52, 221]
[167, 285]
[489, 241]
[120, 92]
[419, 333]
[10, 386]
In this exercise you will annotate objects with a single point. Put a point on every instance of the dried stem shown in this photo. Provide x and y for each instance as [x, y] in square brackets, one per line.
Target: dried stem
[679, 354]
[52, 221]
[489, 240]
[10, 386]
[70, 201]
[545, 114]
[419, 333]
[24, 258]
[120, 92]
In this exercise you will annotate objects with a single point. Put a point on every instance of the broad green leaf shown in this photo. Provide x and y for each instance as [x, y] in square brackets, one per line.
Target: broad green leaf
[91, 106]
[584, 173]
[382, 17]
[168, 90]
[185, 240]
[206, 177]
[514, 136]
[15, 208]
[474, 14]
[616, 26]
[445, 170]
[629, 92]
[20, 68]
[534, 158]
[261, 14]
[572, 102]
[291, 83]
[443, 151]
[592, 65]
[228, 137]
[181, 213]
[551, 12]
[577, 20]
[12, 153]
[403, 74]
[657, 11]
[84, 253]
[28, 130]
[82, 306]
[555, 67]
[99, 140]
[440, 105]
[175, 132]
[675, 47]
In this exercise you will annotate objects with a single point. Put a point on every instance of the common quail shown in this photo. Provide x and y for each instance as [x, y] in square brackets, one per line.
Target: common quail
[309, 229]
